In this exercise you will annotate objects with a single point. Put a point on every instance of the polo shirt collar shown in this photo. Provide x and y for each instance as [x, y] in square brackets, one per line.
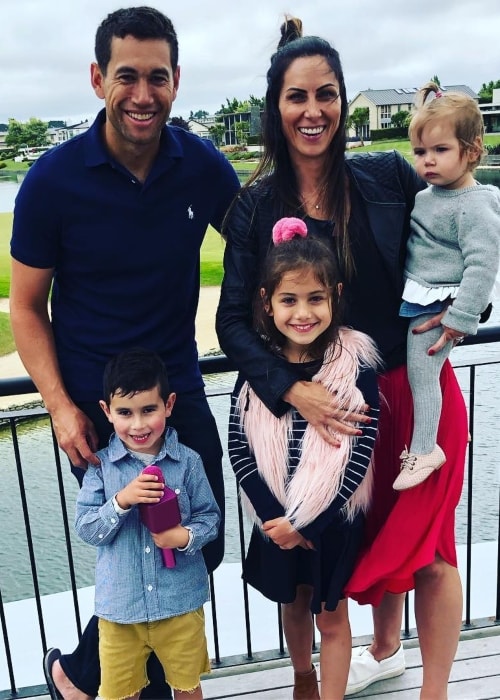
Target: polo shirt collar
[96, 153]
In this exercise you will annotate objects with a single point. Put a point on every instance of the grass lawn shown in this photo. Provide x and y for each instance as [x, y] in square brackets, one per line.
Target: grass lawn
[211, 256]
[11, 165]
[6, 340]
[211, 271]
[213, 246]
[212, 251]
[404, 147]
[5, 231]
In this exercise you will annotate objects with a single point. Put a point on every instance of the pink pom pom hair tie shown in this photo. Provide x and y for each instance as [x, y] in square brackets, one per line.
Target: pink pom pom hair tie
[287, 228]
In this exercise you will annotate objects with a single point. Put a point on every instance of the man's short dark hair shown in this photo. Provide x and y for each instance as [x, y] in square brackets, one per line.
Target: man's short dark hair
[139, 22]
[135, 370]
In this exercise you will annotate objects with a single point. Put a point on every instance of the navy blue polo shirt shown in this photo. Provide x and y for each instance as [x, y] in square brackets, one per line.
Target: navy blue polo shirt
[125, 254]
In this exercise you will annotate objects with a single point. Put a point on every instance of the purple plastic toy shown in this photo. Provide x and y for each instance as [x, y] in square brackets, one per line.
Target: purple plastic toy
[161, 516]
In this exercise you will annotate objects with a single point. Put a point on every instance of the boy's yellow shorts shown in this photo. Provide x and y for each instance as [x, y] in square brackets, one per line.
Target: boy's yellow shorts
[178, 642]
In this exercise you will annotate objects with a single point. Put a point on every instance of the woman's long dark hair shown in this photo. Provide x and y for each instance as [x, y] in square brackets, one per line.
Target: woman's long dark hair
[276, 163]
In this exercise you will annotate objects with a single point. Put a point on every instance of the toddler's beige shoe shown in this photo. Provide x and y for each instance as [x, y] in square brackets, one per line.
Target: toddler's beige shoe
[416, 468]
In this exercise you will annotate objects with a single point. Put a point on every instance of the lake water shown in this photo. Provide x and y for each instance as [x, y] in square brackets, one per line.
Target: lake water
[40, 481]
[9, 187]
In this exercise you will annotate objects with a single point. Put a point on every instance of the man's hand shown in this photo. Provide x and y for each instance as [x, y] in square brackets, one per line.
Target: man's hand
[145, 488]
[317, 406]
[76, 435]
[448, 335]
[282, 533]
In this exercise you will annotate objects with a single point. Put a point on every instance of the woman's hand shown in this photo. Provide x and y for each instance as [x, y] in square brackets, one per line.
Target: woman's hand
[448, 335]
[282, 533]
[317, 406]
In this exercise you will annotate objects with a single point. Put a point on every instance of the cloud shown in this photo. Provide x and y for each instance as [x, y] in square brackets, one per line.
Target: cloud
[47, 47]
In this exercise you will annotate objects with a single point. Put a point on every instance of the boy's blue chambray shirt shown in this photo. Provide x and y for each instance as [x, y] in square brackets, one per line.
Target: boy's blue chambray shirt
[132, 585]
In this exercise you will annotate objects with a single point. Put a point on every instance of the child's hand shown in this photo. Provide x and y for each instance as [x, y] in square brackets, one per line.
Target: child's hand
[282, 533]
[177, 536]
[143, 489]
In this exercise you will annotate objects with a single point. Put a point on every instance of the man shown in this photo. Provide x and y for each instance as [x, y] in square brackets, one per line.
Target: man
[113, 221]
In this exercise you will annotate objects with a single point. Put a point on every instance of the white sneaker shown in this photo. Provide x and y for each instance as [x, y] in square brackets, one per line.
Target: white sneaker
[365, 669]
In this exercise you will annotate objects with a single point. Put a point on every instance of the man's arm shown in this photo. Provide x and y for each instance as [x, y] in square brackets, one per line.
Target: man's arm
[34, 339]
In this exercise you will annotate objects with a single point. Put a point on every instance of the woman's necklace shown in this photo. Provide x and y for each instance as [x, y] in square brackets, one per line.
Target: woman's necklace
[316, 201]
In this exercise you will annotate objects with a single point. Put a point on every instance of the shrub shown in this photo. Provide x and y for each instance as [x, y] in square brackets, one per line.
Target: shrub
[233, 149]
[253, 140]
[394, 132]
[493, 150]
[3, 164]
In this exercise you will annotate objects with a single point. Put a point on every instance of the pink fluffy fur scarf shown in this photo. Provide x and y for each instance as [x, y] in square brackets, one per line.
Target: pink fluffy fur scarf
[319, 474]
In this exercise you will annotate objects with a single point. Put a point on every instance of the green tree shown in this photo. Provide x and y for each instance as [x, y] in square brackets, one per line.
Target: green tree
[200, 114]
[241, 131]
[359, 118]
[30, 133]
[258, 101]
[217, 132]
[180, 122]
[486, 92]
[233, 106]
[230, 107]
[436, 80]
[401, 118]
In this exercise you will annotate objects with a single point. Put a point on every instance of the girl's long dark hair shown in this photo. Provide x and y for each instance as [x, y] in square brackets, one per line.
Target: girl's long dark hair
[276, 163]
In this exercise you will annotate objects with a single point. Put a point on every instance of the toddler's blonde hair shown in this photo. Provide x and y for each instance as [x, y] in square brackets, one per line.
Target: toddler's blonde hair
[456, 108]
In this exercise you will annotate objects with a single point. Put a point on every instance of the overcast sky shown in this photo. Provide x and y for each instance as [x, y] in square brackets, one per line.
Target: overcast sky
[46, 48]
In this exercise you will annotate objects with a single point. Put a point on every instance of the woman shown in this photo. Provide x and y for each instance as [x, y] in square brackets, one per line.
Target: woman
[361, 205]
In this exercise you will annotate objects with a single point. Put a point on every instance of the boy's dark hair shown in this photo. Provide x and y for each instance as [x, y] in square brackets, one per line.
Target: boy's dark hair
[139, 22]
[299, 254]
[135, 370]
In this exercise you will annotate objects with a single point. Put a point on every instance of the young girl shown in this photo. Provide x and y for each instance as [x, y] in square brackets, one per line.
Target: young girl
[452, 259]
[307, 497]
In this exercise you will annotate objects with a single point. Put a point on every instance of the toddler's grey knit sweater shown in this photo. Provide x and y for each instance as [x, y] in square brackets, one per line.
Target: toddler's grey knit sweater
[455, 241]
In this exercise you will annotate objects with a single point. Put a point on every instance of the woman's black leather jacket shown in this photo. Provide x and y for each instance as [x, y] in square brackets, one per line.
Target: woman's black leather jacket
[387, 185]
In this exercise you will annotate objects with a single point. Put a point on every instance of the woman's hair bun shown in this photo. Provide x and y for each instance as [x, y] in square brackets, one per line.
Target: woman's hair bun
[290, 29]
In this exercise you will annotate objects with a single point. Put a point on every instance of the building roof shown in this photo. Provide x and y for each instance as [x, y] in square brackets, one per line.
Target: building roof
[403, 96]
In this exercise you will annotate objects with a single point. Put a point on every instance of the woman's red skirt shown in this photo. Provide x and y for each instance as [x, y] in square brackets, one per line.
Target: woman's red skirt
[405, 530]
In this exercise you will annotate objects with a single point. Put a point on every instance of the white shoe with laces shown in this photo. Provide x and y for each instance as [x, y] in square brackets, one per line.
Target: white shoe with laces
[365, 669]
[416, 468]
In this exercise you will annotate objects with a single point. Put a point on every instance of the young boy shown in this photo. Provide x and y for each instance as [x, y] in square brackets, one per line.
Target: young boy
[143, 606]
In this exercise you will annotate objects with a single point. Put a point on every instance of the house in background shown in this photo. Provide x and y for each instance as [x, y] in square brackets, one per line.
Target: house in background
[60, 134]
[383, 104]
[491, 113]
[55, 134]
[252, 119]
[201, 126]
[3, 135]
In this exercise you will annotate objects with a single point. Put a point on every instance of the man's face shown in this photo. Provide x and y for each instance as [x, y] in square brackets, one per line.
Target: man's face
[139, 88]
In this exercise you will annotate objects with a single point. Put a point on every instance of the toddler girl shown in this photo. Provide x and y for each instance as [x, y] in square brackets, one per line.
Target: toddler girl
[452, 259]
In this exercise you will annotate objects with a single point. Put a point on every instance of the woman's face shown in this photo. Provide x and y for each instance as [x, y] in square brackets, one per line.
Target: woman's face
[309, 105]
